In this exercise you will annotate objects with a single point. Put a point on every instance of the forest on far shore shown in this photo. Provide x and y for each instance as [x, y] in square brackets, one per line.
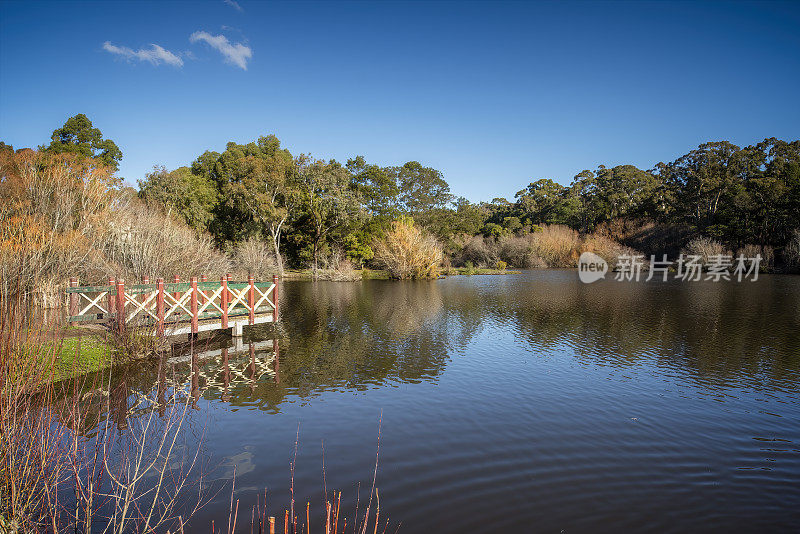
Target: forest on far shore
[256, 207]
[736, 196]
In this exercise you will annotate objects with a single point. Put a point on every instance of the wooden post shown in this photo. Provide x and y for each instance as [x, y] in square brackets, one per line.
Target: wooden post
[251, 298]
[193, 282]
[177, 280]
[110, 304]
[120, 306]
[230, 279]
[73, 297]
[160, 306]
[145, 281]
[224, 298]
[204, 278]
[275, 298]
[271, 525]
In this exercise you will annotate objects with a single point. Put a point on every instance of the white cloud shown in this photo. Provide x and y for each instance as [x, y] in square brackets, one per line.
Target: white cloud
[155, 54]
[234, 53]
[234, 4]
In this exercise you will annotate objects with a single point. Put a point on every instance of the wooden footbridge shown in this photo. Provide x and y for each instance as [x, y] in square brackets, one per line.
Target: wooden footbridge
[176, 308]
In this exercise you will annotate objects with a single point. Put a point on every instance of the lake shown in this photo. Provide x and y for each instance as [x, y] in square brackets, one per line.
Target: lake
[527, 402]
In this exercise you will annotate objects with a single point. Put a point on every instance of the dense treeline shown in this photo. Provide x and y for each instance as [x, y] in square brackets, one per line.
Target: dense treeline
[257, 208]
[308, 209]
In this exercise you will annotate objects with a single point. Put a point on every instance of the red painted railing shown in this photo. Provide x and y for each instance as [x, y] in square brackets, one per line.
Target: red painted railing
[118, 304]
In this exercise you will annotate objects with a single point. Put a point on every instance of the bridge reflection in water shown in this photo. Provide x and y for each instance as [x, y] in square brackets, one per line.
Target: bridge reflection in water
[194, 370]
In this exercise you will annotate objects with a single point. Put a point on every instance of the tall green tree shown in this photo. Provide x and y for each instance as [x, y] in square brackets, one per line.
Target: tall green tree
[701, 179]
[546, 202]
[624, 191]
[78, 136]
[328, 203]
[254, 181]
[264, 188]
[377, 187]
[192, 196]
[422, 189]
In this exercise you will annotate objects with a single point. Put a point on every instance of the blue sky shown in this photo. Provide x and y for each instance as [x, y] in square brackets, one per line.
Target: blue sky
[495, 95]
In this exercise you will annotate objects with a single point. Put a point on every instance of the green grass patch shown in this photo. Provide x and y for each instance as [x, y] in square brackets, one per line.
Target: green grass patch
[75, 356]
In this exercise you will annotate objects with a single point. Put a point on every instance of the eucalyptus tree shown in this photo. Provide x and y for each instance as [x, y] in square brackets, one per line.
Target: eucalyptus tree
[192, 196]
[700, 180]
[257, 183]
[327, 201]
[545, 202]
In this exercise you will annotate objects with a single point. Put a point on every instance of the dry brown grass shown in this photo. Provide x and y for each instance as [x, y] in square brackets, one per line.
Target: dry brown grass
[407, 253]
[606, 248]
[557, 245]
[551, 247]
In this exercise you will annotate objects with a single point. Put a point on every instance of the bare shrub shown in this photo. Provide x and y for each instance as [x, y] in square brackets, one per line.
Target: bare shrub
[408, 253]
[255, 257]
[50, 207]
[481, 251]
[145, 241]
[336, 266]
[535, 262]
[766, 252]
[705, 247]
[55, 476]
[64, 215]
[557, 245]
[791, 253]
[517, 251]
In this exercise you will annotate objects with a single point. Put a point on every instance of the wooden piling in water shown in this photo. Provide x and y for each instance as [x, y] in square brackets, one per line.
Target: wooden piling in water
[224, 295]
[160, 306]
[275, 298]
[193, 284]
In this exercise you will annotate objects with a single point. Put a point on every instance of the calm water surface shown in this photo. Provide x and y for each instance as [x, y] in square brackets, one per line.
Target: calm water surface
[524, 403]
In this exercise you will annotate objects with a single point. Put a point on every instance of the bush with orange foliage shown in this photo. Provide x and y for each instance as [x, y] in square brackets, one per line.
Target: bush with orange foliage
[51, 207]
[64, 215]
